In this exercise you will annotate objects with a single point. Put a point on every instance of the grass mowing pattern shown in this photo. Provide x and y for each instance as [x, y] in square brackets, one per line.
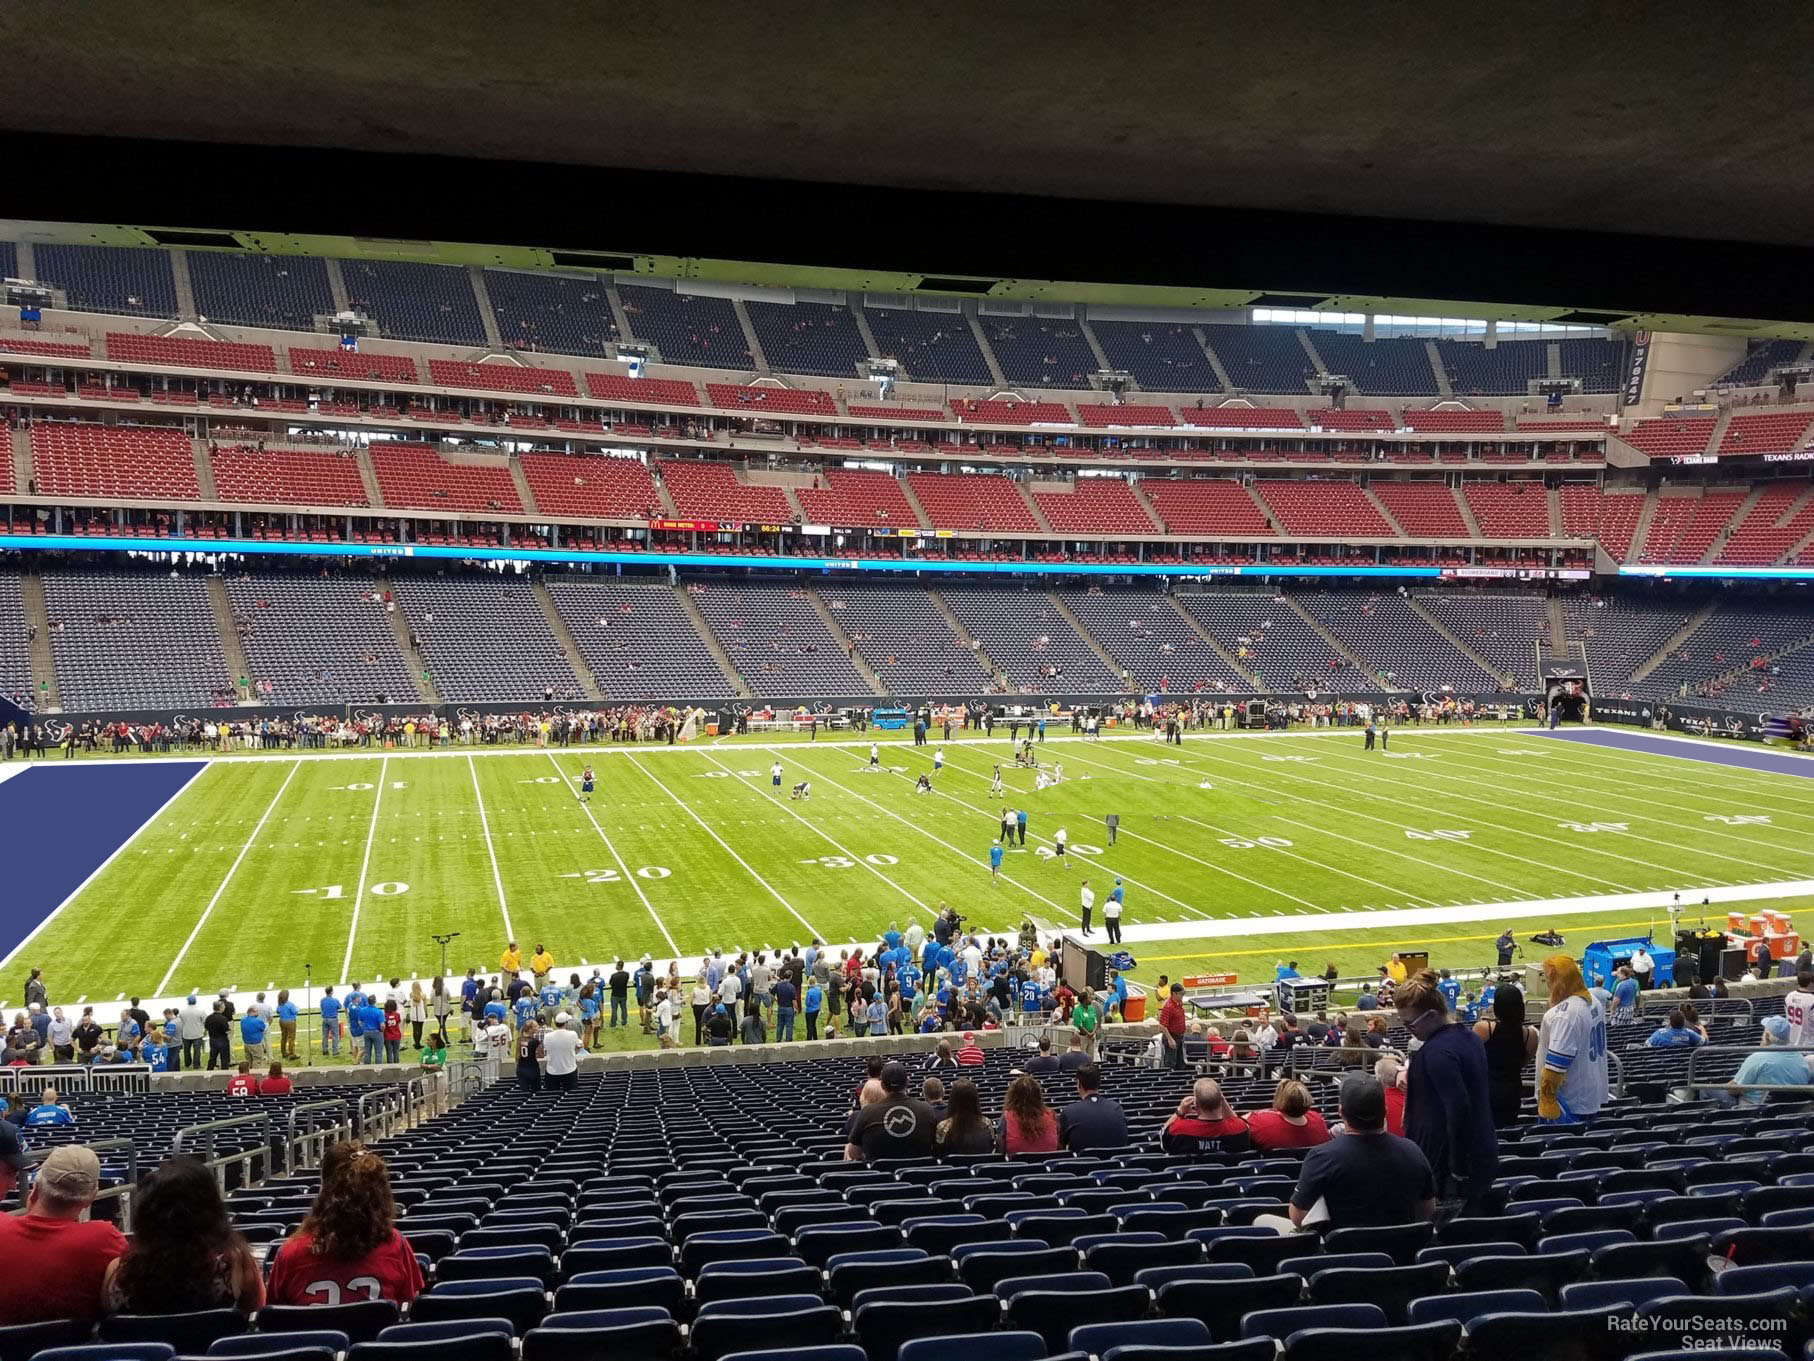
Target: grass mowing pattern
[681, 851]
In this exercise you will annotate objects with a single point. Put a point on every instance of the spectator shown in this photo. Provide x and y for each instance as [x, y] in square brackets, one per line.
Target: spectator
[560, 1054]
[184, 1254]
[1044, 1061]
[932, 1092]
[418, 1012]
[58, 1258]
[194, 1031]
[1447, 1114]
[1093, 1121]
[965, 1129]
[1292, 1122]
[242, 1083]
[1624, 993]
[942, 1060]
[434, 1053]
[392, 1030]
[1510, 1045]
[61, 1036]
[252, 1030]
[12, 1150]
[49, 1112]
[1027, 1123]
[330, 1024]
[275, 1083]
[892, 1125]
[1771, 1065]
[220, 1043]
[1076, 1056]
[718, 1027]
[1571, 1047]
[1204, 1125]
[969, 1053]
[1365, 1177]
[528, 1054]
[1391, 1075]
[1172, 1025]
[287, 1013]
[1674, 1033]
[348, 1247]
[1642, 966]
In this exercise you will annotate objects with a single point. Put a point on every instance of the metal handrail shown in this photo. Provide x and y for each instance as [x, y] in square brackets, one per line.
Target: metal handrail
[1708, 1007]
[245, 1158]
[65, 1077]
[382, 1113]
[1691, 1084]
[124, 1191]
[305, 1147]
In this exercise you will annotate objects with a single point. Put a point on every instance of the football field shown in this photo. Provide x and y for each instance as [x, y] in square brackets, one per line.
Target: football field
[261, 871]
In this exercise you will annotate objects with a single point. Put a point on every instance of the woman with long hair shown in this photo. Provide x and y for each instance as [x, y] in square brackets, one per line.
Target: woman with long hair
[348, 1248]
[184, 1254]
[965, 1129]
[1510, 1046]
[1027, 1123]
[418, 1013]
[1292, 1122]
[528, 1052]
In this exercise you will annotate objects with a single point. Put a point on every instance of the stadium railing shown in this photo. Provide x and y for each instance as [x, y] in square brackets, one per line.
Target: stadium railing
[103, 1149]
[124, 1079]
[247, 1160]
[1691, 1084]
[307, 1133]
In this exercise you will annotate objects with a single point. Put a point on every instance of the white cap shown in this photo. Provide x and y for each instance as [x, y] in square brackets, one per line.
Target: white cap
[562, 1019]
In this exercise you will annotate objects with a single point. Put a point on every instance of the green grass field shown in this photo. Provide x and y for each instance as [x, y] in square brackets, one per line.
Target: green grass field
[1301, 846]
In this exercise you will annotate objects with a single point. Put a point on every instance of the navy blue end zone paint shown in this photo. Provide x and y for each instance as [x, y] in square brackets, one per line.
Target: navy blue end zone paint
[1737, 756]
[64, 821]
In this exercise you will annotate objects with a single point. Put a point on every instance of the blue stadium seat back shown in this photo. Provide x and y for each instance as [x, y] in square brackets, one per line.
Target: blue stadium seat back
[1336, 1261]
[793, 1219]
[1798, 1218]
[1545, 1273]
[490, 1264]
[485, 1346]
[819, 1245]
[433, 1244]
[1122, 1262]
[1464, 1252]
[446, 1330]
[1400, 1242]
[1122, 1235]
[283, 1351]
[360, 1320]
[1252, 1349]
[520, 1300]
[1173, 1224]
[515, 1236]
[1696, 1228]
[1011, 1245]
[192, 1332]
[623, 1288]
[776, 1276]
[1098, 1338]
[1627, 1293]
[1155, 1278]
[1592, 1218]
[264, 1344]
[1464, 1307]
[983, 1270]
[1281, 1323]
[1243, 1212]
[1590, 1240]
[1052, 1314]
[882, 1327]
[112, 1351]
[718, 1335]
[618, 1227]
[930, 1294]
[22, 1341]
[1220, 1305]
[1262, 1254]
[1767, 1276]
[1683, 1258]
[683, 1227]
[879, 1257]
[650, 1340]
[1053, 1282]
[1413, 1342]
[1572, 1335]
[607, 1318]
[1524, 1227]
[942, 1234]
[838, 1351]
[997, 1346]
[751, 1308]
[617, 1254]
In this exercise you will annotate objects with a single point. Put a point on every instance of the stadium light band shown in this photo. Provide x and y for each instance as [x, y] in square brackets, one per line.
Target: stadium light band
[263, 548]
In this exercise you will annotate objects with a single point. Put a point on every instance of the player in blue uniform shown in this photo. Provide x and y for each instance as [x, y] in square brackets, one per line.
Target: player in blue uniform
[995, 861]
[585, 784]
[1449, 988]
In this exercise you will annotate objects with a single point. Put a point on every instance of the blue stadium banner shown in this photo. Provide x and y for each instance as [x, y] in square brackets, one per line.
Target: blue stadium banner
[1634, 370]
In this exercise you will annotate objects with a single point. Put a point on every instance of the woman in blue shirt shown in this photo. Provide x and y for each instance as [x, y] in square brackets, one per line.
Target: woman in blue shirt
[815, 999]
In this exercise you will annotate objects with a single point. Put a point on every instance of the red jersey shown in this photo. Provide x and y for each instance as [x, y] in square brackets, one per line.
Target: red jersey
[1042, 1140]
[393, 1025]
[67, 1260]
[1395, 1111]
[275, 1086]
[388, 1272]
[242, 1084]
[1270, 1130]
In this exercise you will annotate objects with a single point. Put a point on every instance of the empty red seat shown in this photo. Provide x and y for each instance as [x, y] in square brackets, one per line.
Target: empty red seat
[778, 400]
[288, 476]
[975, 412]
[1206, 506]
[502, 376]
[711, 491]
[417, 477]
[1126, 414]
[596, 485]
[1096, 505]
[1324, 509]
[130, 462]
[1457, 421]
[190, 353]
[854, 499]
[377, 368]
[1509, 510]
[1424, 510]
[978, 501]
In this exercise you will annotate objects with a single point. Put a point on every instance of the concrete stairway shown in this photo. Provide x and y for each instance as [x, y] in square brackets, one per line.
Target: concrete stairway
[982, 343]
[1215, 362]
[1442, 630]
[854, 304]
[1558, 625]
[983, 659]
[1736, 519]
[564, 636]
[1089, 638]
[1228, 657]
[368, 475]
[1641, 535]
[1038, 515]
[204, 470]
[1384, 514]
[618, 315]
[1089, 336]
[1443, 386]
[833, 627]
[1336, 643]
[22, 464]
[487, 317]
[426, 689]
[1152, 511]
[1316, 360]
[185, 289]
[43, 664]
[237, 666]
[757, 357]
[521, 481]
[1676, 640]
[1467, 514]
[710, 639]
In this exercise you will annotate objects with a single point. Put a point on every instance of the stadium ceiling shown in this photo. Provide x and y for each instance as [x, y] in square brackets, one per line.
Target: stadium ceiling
[1528, 162]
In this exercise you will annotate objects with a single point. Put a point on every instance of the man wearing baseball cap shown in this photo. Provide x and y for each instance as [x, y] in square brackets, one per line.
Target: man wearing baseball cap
[561, 1051]
[1771, 1065]
[897, 1126]
[69, 1256]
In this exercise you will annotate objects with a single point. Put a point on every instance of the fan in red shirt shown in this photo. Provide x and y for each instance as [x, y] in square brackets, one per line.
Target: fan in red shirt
[1205, 1125]
[970, 1053]
[348, 1248]
[1388, 1070]
[1172, 1022]
[68, 1257]
[275, 1083]
[1293, 1122]
[242, 1083]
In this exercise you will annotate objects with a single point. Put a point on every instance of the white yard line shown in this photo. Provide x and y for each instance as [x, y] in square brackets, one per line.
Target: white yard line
[844, 850]
[491, 850]
[712, 832]
[232, 869]
[1734, 781]
[95, 873]
[371, 835]
[622, 868]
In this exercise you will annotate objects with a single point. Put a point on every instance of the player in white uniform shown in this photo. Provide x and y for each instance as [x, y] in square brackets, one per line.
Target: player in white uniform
[1571, 1046]
[938, 758]
[1798, 1006]
[995, 782]
[875, 757]
[1058, 845]
[774, 775]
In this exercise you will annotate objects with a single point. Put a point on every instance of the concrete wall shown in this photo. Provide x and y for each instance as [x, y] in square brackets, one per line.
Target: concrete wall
[1681, 363]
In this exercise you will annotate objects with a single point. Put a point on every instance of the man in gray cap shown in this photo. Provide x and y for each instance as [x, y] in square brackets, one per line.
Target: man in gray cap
[69, 1256]
[1363, 1177]
[897, 1126]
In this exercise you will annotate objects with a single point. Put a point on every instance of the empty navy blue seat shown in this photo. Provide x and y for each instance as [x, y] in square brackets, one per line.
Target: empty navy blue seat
[1390, 1288]
[361, 1320]
[518, 1299]
[804, 1320]
[419, 1342]
[1099, 1338]
[624, 1288]
[1220, 1305]
[111, 1351]
[639, 1334]
[1464, 1307]
[754, 1276]
[1414, 1342]
[883, 1326]
[1053, 1313]
[188, 1333]
[1282, 1323]
[1000, 1346]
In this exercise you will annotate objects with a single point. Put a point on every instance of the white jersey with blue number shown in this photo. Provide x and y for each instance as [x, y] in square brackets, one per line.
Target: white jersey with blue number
[1572, 1041]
